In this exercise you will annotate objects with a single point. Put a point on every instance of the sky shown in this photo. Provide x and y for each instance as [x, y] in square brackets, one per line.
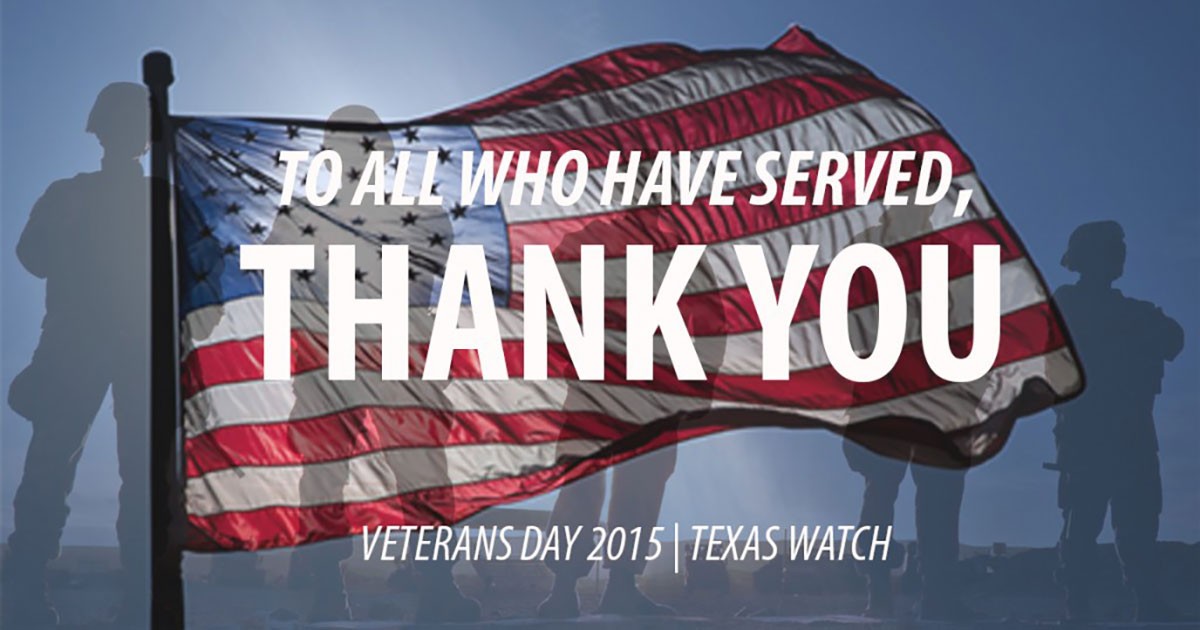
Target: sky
[1071, 112]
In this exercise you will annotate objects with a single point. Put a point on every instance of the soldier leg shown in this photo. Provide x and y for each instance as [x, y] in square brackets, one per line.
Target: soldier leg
[1084, 501]
[440, 600]
[39, 514]
[320, 564]
[60, 426]
[881, 485]
[60, 422]
[938, 504]
[635, 502]
[40, 505]
[324, 559]
[1136, 506]
[578, 505]
[131, 411]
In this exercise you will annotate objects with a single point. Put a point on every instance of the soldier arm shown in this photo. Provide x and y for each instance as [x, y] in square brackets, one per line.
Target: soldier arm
[33, 247]
[1156, 329]
[1172, 335]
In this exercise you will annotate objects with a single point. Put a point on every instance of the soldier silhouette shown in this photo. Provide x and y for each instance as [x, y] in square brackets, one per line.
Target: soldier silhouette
[1106, 441]
[635, 498]
[88, 237]
[353, 132]
[939, 491]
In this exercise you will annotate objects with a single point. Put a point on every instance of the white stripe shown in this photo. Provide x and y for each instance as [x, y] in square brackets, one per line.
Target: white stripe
[662, 93]
[853, 127]
[376, 475]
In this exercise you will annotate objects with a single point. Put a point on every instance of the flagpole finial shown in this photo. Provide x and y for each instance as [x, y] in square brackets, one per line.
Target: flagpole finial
[156, 69]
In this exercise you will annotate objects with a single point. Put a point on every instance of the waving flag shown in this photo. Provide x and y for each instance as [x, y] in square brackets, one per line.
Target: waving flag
[272, 464]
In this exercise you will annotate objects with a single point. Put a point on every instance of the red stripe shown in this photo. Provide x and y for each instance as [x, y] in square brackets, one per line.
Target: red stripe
[271, 527]
[729, 311]
[667, 227]
[363, 430]
[705, 124]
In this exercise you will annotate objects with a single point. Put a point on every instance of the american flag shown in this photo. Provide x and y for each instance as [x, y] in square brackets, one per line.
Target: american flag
[272, 464]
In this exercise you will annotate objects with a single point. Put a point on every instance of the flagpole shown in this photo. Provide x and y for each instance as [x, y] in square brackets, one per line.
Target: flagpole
[166, 577]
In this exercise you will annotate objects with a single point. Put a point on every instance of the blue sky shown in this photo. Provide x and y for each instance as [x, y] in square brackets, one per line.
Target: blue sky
[1072, 113]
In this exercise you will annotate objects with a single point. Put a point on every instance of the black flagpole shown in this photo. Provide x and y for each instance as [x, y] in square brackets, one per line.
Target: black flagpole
[166, 578]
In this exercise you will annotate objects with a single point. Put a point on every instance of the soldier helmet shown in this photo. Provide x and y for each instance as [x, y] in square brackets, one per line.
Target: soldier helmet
[363, 124]
[120, 108]
[1092, 242]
